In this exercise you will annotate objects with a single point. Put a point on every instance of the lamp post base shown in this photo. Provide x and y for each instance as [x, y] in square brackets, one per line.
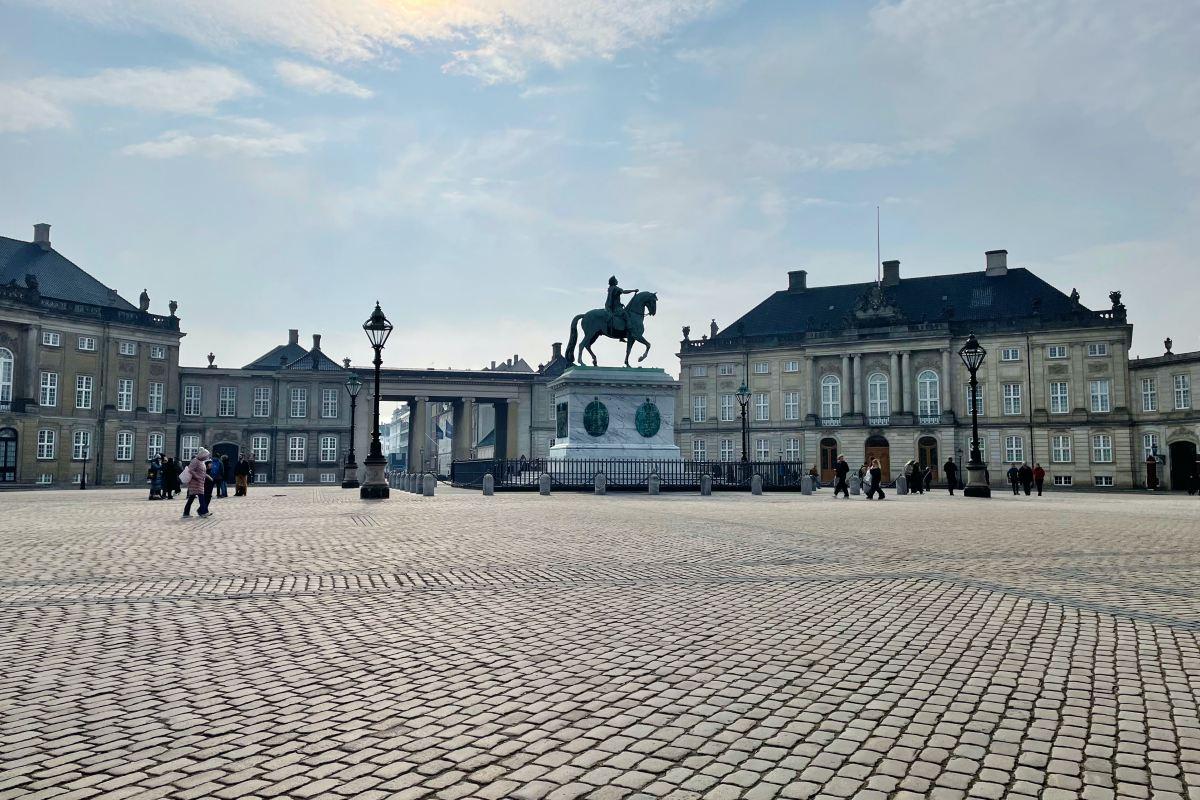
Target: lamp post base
[374, 487]
[350, 476]
[977, 485]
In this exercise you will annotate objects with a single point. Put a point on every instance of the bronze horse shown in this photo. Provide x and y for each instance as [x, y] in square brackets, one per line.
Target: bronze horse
[598, 322]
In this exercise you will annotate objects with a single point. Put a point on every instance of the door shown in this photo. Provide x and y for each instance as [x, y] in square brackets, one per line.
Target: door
[829, 454]
[877, 447]
[230, 451]
[927, 453]
[1183, 466]
[8, 455]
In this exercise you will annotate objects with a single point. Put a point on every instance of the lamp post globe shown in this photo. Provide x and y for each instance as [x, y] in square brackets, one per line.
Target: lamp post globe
[743, 398]
[350, 474]
[972, 354]
[374, 487]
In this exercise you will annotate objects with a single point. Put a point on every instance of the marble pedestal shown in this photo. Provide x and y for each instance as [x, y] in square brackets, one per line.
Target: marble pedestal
[614, 413]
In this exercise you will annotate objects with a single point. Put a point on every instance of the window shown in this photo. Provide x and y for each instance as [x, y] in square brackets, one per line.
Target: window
[878, 403]
[87, 343]
[1183, 392]
[726, 411]
[227, 401]
[1060, 448]
[792, 451]
[83, 391]
[1102, 452]
[127, 348]
[1063, 480]
[80, 442]
[1149, 445]
[1096, 349]
[328, 477]
[1010, 354]
[1149, 394]
[1056, 351]
[298, 407]
[262, 401]
[791, 405]
[1060, 397]
[51, 339]
[1012, 398]
[726, 450]
[191, 401]
[1014, 449]
[699, 450]
[762, 449]
[762, 367]
[189, 445]
[762, 407]
[155, 444]
[295, 477]
[929, 403]
[329, 449]
[699, 370]
[296, 448]
[260, 477]
[158, 352]
[154, 401]
[45, 479]
[329, 403]
[124, 394]
[1101, 402]
[123, 479]
[700, 408]
[45, 445]
[831, 397]
[49, 389]
[1103, 480]
[6, 375]
[260, 447]
[124, 445]
[978, 399]
[725, 369]
[791, 366]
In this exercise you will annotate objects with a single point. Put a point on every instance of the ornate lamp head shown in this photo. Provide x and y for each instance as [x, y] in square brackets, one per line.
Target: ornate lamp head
[972, 353]
[378, 327]
[743, 393]
[354, 384]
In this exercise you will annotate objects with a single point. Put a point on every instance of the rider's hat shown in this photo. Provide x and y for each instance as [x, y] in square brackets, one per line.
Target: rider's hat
[612, 281]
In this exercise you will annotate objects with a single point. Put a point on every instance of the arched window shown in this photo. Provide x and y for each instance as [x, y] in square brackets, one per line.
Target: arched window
[831, 397]
[878, 404]
[6, 375]
[929, 402]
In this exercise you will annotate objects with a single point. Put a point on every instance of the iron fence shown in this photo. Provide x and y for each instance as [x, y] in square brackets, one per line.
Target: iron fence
[580, 474]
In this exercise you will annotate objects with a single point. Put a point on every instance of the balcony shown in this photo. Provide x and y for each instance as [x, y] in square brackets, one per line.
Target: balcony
[879, 422]
[930, 420]
[831, 422]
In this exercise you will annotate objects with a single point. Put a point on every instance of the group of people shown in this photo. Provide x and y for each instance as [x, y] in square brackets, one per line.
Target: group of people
[870, 475]
[202, 477]
[1024, 477]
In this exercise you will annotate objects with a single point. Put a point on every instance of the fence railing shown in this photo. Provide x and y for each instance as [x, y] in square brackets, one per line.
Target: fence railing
[631, 474]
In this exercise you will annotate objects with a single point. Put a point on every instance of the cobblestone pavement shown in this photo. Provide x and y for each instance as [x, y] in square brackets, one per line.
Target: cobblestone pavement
[302, 643]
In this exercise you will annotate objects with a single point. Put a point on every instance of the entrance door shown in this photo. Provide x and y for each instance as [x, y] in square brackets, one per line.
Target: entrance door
[927, 453]
[877, 447]
[230, 450]
[829, 456]
[8, 455]
[1183, 466]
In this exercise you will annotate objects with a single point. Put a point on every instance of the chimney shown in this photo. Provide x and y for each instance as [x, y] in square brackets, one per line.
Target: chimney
[493, 365]
[798, 280]
[891, 273]
[41, 235]
[997, 262]
[516, 358]
[556, 350]
[317, 342]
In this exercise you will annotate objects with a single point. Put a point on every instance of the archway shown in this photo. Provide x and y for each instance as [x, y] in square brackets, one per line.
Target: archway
[1183, 465]
[927, 453]
[8, 455]
[829, 454]
[878, 447]
[230, 450]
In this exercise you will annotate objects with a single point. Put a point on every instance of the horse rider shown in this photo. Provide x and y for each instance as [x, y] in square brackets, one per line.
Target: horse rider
[614, 306]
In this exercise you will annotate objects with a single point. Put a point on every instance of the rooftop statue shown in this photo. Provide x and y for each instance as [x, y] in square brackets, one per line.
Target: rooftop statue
[616, 321]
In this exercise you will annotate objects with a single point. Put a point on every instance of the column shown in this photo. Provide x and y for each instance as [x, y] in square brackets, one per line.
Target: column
[463, 438]
[418, 440]
[846, 381]
[894, 384]
[810, 395]
[860, 405]
[514, 430]
[906, 396]
[33, 378]
[947, 386]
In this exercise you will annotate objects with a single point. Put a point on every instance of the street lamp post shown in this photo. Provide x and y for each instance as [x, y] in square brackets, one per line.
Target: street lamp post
[959, 463]
[83, 468]
[972, 355]
[350, 476]
[378, 329]
[743, 398]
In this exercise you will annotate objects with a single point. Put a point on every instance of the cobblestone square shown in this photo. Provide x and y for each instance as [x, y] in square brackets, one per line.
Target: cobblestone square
[302, 643]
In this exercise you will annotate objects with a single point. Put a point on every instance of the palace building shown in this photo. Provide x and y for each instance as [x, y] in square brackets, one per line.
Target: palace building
[871, 370]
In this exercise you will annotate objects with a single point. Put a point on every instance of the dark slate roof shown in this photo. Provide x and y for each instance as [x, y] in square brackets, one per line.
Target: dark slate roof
[964, 297]
[278, 357]
[56, 275]
[323, 362]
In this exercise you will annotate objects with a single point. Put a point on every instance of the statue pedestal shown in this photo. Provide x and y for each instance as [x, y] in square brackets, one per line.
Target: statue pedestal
[614, 413]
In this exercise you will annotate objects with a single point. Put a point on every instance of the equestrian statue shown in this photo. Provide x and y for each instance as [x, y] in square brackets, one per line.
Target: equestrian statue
[616, 321]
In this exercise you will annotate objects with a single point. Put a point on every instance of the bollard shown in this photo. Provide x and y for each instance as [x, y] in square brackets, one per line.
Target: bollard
[601, 483]
[412, 482]
[855, 485]
[756, 484]
[705, 485]
[429, 484]
[544, 484]
[902, 485]
[489, 485]
[654, 483]
[806, 485]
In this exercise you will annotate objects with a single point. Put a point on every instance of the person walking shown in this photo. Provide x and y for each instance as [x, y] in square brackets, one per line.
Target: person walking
[195, 477]
[241, 476]
[929, 478]
[842, 470]
[876, 473]
[951, 471]
[1014, 478]
[1039, 477]
[918, 478]
[1025, 473]
[221, 475]
[154, 474]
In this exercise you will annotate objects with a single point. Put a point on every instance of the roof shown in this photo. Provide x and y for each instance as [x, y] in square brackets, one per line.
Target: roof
[314, 359]
[278, 357]
[1165, 359]
[963, 297]
[57, 276]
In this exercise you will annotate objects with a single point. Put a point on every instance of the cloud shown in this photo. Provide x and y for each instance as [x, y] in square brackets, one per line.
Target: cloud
[318, 80]
[762, 156]
[492, 40]
[46, 102]
[175, 144]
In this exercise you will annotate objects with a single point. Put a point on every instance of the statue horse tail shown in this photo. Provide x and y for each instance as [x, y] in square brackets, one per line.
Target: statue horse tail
[572, 340]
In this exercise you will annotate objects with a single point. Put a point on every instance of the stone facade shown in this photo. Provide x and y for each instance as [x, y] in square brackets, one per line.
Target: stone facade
[1166, 416]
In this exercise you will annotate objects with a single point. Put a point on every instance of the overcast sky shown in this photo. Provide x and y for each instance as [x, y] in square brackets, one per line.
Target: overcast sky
[482, 166]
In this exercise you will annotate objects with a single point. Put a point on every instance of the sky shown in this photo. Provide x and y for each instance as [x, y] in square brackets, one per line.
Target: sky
[481, 167]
